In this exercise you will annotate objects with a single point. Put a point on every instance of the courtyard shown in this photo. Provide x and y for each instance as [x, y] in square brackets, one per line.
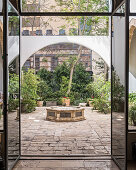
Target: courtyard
[88, 137]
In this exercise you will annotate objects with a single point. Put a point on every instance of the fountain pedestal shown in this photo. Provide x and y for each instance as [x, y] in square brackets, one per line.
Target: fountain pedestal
[65, 114]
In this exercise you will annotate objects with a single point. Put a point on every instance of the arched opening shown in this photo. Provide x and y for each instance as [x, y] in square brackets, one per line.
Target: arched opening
[53, 65]
[132, 58]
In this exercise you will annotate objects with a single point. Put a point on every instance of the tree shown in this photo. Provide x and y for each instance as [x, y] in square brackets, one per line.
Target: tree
[14, 25]
[33, 21]
[45, 75]
[84, 23]
[80, 79]
[60, 71]
[29, 86]
[13, 84]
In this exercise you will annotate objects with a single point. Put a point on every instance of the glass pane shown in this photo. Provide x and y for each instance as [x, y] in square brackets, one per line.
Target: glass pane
[50, 44]
[118, 90]
[132, 6]
[132, 74]
[1, 5]
[56, 26]
[1, 72]
[13, 88]
[66, 6]
[1, 94]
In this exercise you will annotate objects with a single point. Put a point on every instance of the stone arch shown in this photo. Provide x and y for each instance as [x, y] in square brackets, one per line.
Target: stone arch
[95, 55]
[132, 55]
[132, 27]
[32, 44]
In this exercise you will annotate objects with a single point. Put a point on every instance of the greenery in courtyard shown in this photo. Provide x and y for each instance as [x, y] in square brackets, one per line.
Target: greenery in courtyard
[132, 109]
[13, 92]
[100, 90]
[53, 86]
[29, 91]
[56, 83]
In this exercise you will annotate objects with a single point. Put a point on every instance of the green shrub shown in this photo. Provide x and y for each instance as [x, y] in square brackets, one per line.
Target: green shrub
[13, 104]
[76, 102]
[101, 105]
[13, 84]
[132, 97]
[132, 115]
[101, 91]
[27, 106]
[118, 94]
[29, 90]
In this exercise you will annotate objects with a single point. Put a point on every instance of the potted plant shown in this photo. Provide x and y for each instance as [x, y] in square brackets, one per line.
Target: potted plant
[40, 102]
[132, 115]
[66, 101]
[90, 101]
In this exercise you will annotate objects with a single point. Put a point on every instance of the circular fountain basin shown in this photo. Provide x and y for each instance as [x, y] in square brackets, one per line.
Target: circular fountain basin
[65, 114]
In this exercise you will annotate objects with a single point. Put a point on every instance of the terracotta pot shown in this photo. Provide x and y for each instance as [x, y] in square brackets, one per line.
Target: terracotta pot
[90, 104]
[39, 103]
[63, 102]
[67, 101]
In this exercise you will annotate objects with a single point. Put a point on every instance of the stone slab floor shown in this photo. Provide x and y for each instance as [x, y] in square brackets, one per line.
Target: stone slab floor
[87, 137]
[65, 165]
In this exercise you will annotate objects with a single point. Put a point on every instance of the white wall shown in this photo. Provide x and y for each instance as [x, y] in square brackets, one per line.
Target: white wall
[119, 52]
[119, 47]
[13, 48]
[133, 5]
[132, 64]
[32, 44]
[1, 4]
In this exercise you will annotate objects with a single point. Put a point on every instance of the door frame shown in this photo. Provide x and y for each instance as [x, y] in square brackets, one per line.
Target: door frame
[5, 65]
[6, 14]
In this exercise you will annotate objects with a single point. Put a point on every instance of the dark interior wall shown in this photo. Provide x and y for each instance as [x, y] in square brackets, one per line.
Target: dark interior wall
[14, 3]
[116, 3]
[131, 140]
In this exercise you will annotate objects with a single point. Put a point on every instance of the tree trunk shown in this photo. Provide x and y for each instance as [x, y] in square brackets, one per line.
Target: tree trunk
[70, 80]
[72, 70]
[81, 32]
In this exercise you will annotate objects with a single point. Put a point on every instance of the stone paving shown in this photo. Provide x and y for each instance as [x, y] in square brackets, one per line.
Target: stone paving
[87, 137]
[66, 165]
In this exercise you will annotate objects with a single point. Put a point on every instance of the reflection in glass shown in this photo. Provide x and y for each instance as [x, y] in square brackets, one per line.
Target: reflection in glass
[1, 72]
[65, 26]
[13, 88]
[118, 90]
[66, 6]
[1, 5]
[132, 75]
[132, 6]
[1, 95]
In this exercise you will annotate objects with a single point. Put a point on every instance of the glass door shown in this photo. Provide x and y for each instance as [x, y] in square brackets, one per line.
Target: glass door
[13, 81]
[118, 89]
